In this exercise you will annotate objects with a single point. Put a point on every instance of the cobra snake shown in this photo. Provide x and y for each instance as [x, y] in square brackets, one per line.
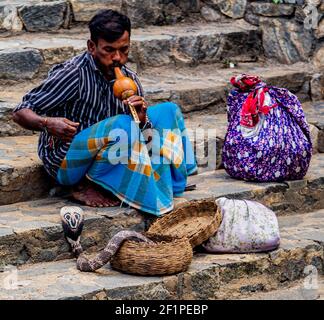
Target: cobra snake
[73, 222]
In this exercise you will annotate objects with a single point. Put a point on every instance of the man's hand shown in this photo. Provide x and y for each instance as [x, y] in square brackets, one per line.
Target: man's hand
[62, 128]
[140, 106]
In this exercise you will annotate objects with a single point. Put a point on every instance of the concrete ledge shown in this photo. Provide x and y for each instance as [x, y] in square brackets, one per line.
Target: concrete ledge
[208, 277]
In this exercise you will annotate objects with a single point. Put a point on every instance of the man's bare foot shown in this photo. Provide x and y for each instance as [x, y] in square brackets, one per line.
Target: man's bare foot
[91, 195]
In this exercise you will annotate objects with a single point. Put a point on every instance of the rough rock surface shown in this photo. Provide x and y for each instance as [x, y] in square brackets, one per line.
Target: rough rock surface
[320, 30]
[19, 64]
[317, 87]
[311, 288]
[272, 9]
[191, 45]
[315, 115]
[149, 12]
[286, 41]
[9, 19]
[210, 14]
[44, 16]
[84, 10]
[232, 8]
[319, 58]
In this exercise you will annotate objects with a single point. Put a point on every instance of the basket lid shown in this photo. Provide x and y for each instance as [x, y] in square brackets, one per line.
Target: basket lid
[196, 220]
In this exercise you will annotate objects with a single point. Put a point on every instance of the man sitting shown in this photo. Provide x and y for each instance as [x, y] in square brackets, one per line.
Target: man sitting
[82, 128]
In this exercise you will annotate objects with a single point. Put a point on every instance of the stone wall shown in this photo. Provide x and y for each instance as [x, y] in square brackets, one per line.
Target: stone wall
[293, 30]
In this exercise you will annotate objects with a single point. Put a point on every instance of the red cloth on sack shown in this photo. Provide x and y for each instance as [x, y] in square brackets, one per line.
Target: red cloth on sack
[255, 103]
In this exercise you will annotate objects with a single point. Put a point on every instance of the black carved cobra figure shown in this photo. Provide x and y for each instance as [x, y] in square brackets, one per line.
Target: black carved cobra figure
[72, 223]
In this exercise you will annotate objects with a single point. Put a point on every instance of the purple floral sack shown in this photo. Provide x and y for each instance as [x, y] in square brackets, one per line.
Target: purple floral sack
[277, 148]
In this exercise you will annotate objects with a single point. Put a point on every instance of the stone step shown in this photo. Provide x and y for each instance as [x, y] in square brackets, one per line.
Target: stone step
[207, 86]
[23, 178]
[30, 56]
[50, 15]
[30, 232]
[225, 276]
[309, 288]
[204, 87]
[7, 126]
[315, 115]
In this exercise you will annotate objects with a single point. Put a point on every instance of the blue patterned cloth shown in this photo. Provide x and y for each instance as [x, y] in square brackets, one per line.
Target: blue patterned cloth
[113, 154]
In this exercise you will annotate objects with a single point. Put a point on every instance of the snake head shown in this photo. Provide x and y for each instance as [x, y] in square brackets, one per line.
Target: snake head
[72, 221]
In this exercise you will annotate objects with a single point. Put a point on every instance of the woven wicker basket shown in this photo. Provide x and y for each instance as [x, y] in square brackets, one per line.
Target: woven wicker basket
[168, 255]
[197, 221]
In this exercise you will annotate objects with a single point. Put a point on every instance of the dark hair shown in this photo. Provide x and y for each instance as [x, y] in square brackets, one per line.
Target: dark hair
[109, 25]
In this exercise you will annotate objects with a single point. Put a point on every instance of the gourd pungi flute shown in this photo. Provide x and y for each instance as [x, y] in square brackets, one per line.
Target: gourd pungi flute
[125, 87]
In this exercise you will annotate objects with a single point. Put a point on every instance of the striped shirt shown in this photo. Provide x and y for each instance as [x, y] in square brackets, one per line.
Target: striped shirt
[78, 91]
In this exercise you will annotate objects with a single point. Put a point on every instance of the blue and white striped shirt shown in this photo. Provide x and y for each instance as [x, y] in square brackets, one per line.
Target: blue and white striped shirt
[78, 91]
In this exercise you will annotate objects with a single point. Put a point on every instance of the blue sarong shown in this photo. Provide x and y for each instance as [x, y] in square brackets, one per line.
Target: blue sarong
[113, 153]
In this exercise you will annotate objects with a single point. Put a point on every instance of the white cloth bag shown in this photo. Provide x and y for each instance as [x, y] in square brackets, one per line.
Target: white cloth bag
[247, 226]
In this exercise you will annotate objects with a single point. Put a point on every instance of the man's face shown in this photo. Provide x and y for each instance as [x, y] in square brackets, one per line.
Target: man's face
[110, 54]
